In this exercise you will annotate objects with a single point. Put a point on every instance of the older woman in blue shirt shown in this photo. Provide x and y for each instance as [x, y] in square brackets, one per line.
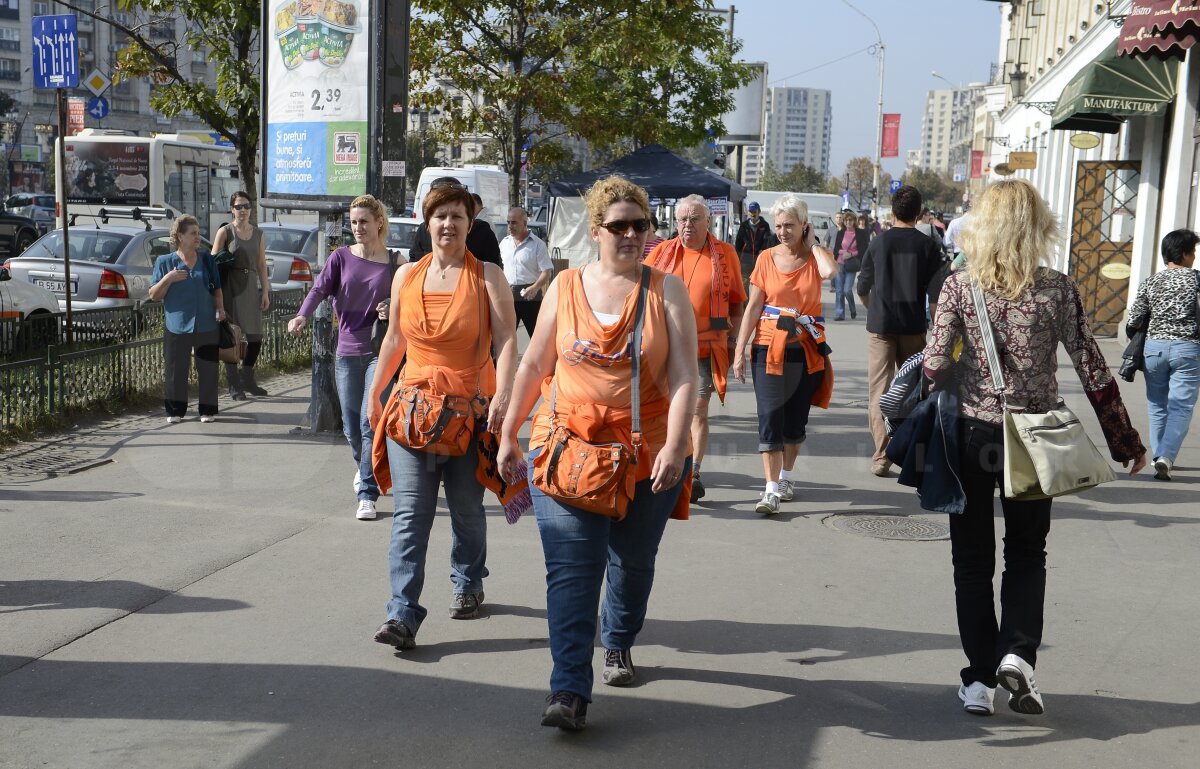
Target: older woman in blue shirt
[189, 287]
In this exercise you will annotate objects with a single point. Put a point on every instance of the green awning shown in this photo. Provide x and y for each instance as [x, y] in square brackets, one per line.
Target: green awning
[1113, 89]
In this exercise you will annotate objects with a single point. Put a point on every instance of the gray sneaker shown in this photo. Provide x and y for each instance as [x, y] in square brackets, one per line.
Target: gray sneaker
[618, 667]
[1162, 469]
[466, 605]
[1016, 676]
[768, 505]
[786, 491]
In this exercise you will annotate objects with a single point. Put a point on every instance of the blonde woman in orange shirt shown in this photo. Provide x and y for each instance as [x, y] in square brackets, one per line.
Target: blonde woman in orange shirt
[789, 356]
[581, 353]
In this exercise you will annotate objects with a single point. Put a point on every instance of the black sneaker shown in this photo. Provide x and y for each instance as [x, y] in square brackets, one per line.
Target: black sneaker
[395, 633]
[565, 710]
[618, 667]
[697, 488]
[466, 605]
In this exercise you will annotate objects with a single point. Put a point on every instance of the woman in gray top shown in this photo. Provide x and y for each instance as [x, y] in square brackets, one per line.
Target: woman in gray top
[247, 290]
[1166, 306]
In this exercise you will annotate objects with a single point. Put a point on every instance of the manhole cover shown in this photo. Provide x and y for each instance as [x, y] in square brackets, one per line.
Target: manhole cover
[888, 526]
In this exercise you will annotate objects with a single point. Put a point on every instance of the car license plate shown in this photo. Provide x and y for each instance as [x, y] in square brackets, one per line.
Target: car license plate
[56, 286]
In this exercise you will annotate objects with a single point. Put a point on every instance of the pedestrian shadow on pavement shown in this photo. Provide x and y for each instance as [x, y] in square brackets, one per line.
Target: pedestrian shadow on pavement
[50, 594]
[811, 499]
[331, 715]
[60, 495]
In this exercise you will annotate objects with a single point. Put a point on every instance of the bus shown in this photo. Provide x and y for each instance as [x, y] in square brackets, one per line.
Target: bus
[183, 173]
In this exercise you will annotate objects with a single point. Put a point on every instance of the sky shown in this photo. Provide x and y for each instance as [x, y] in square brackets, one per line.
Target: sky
[959, 39]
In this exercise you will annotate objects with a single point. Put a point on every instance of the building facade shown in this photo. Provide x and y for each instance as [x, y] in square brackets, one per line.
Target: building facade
[30, 128]
[798, 123]
[948, 128]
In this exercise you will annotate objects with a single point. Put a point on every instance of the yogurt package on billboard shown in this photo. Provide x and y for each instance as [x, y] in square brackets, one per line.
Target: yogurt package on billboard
[310, 27]
[287, 34]
[339, 25]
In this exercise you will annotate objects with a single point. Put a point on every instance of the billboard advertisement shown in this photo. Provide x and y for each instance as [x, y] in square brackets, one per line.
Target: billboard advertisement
[891, 135]
[107, 173]
[744, 125]
[25, 176]
[317, 99]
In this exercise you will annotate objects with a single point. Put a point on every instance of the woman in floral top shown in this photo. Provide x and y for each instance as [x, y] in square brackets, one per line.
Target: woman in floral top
[1033, 309]
[1166, 308]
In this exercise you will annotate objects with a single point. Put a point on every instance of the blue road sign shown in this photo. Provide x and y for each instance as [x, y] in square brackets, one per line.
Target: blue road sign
[98, 107]
[895, 185]
[55, 52]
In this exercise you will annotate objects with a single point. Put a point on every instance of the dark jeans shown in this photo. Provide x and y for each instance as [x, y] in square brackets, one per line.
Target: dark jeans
[177, 354]
[527, 309]
[973, 544]
[784, 400]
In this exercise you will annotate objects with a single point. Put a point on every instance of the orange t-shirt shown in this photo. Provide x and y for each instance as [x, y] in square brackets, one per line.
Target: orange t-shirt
[589, 387]
[694, 268]
[799, 289]
[451, 331]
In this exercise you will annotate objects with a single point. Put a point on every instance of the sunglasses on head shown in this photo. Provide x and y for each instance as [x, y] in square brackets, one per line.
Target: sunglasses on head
[447, 186]
[621, 226]
[242, 207]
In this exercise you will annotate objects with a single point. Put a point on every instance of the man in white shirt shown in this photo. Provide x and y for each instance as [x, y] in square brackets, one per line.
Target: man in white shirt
[527, 266]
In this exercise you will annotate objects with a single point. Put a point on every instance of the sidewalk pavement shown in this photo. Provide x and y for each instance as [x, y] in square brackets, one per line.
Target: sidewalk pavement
[201, 595]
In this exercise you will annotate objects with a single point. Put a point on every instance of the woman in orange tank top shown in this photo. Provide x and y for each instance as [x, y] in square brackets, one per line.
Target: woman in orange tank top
[790, 358]
[581, 351]
[449, 310]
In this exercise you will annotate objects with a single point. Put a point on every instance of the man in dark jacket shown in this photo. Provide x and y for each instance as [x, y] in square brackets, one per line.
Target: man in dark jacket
[893, 285]
[481, 240]
[752, 237]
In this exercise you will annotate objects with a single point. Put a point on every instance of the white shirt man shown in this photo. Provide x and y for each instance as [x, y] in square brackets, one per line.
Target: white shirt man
[527, 267]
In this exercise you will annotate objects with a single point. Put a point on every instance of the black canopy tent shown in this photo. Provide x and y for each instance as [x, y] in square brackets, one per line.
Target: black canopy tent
[662, 173]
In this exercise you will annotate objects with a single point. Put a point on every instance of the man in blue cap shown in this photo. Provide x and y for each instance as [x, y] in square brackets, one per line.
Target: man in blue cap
[753, 237]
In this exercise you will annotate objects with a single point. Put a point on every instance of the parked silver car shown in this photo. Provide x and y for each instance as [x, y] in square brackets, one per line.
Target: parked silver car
[38, 206]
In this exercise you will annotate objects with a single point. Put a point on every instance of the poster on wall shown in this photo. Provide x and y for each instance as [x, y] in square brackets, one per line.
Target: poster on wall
[103, 173]
[25, 176]
[317, 99]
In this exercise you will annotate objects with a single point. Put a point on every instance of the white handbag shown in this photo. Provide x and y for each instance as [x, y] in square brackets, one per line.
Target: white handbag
[1046, 454]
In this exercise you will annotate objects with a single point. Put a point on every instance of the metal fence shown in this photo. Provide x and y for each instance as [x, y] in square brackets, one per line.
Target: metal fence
[116, 354]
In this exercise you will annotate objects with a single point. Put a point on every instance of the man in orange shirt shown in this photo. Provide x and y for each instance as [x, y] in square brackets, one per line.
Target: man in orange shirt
[710, 269]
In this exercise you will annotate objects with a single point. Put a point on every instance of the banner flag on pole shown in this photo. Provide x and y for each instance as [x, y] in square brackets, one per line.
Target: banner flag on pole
[891, 135]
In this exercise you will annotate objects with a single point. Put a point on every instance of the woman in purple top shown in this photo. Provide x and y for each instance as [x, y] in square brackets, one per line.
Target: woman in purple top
[359, 278]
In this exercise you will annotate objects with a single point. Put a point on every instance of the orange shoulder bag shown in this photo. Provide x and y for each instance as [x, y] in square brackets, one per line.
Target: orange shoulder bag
[596, 477]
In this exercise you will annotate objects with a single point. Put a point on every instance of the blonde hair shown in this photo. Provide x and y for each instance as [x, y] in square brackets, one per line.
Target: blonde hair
[610, 190]
[372, 204]
[791, 204]
[1011, 232]
[179, 225]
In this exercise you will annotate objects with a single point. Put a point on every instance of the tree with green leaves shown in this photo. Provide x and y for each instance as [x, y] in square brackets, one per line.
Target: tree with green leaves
[527, 72]
[801, 178]
[420, 152]
[225, 33]
[937, 190]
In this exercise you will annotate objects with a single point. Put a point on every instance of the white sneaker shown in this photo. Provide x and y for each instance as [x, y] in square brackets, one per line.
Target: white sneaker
[366, 510]
[977, 699]
[1162, 469]
[786, 491]
[174, 420]
[1016, 676]
[208, 418]
[357, 481]
[768, 505]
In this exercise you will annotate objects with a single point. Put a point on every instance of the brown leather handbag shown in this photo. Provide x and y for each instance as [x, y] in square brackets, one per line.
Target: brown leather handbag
[441, 424]
[596, 477]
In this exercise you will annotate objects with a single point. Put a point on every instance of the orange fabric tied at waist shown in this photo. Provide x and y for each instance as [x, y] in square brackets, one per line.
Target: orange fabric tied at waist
[810, 336]
[720, 367]
[439, 380]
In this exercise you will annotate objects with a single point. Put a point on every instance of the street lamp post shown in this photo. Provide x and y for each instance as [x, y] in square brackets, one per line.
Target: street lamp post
[879, 123]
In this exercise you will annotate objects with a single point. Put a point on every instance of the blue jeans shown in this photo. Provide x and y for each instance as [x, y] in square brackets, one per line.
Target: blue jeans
[416, 477]
[352, 375]
[843, 293]
[1172, 378]
[580, 549]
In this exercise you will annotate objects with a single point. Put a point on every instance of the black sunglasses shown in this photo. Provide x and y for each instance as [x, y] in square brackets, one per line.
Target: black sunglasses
[242, 207]
[621, 226]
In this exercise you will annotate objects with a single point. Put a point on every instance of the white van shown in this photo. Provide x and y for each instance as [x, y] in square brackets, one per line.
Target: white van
[490, 182]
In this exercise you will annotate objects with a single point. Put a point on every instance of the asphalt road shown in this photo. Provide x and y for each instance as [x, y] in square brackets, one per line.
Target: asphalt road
[202, 596]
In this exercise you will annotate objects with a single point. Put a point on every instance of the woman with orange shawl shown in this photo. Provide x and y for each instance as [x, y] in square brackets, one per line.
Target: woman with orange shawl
[790, 357]
[448, 309]
[580, 355]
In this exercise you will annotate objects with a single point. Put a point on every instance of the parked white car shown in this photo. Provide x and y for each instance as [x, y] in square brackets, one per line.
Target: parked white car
[20, 299]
